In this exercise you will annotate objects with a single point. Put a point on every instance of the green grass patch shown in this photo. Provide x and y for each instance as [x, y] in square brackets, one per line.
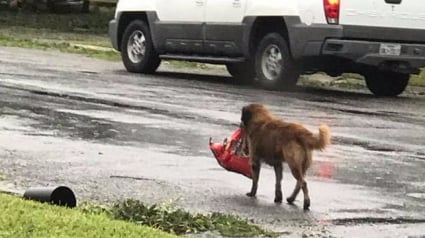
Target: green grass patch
[20, 218]
[62, 46]
[168, 218]
[352, 76]
[70, 33]
[43, 34]
[95, 22]
[188, 64]
[415, 80]
[418, 80]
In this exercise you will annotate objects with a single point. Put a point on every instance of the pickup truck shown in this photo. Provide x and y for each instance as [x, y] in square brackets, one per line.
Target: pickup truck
[270, 43]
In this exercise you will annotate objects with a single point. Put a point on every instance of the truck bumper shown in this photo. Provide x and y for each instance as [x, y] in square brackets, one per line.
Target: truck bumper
[369, 52]
[324, 40]
[113, 33]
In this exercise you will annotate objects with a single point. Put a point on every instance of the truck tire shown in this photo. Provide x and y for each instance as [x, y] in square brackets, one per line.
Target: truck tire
[243, 73]
[386, 83]
[137, 51]
[274, 66]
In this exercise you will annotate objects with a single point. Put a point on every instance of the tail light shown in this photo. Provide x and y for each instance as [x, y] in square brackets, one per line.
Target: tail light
[332, 11]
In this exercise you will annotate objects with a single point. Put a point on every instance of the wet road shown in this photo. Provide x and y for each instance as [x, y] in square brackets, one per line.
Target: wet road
[108, 134]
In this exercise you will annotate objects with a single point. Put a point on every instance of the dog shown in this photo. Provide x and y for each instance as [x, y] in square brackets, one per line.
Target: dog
[274, 141]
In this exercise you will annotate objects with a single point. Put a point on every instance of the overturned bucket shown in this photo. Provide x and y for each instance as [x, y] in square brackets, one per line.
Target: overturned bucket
[61, 195]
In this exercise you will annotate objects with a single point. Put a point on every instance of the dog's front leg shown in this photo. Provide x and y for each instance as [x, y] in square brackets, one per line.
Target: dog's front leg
[255, 167]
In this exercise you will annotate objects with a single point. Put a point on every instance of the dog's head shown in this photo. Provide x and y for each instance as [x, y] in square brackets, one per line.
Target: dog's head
[253, 112]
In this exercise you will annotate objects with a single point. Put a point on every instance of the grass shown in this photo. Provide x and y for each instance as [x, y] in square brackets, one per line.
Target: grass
[63, 46]
[418, 80]
[94, 23]
[129, 218]
[415, 80]
[22, 219]
[174, 220]
[70, 33]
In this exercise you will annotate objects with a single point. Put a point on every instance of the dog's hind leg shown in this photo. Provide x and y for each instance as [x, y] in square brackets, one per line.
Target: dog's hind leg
[306, 196]
[255, 167]
[297, 188]
[296, 158]
[278, 168]
[306, 165]
[301, 184]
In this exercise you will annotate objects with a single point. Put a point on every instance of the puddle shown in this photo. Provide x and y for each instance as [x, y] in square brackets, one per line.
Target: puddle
[416, 195]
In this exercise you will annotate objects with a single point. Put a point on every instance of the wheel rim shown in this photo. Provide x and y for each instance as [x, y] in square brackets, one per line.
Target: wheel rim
[136, 47]
[271, 62]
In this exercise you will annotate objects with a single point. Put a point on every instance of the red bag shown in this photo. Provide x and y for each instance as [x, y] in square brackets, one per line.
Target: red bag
[226, 154]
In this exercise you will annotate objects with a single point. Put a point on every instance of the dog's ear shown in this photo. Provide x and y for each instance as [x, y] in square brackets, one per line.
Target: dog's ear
[246, 116]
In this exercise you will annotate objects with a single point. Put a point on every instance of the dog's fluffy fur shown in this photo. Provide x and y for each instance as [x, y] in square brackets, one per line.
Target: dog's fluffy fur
[274, 141]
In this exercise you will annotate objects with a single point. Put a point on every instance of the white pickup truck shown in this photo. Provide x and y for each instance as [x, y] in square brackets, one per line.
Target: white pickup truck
[271, 42]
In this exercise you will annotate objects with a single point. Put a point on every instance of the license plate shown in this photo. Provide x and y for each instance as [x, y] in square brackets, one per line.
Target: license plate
[390, 49]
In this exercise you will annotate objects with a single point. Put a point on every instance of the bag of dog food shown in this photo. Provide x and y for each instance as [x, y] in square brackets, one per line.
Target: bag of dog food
[231, 154]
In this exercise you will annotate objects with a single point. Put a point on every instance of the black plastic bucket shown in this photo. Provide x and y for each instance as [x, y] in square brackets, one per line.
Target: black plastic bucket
[61, 196]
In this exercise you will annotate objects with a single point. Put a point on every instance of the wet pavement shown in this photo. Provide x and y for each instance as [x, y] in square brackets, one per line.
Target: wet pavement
[109, 134]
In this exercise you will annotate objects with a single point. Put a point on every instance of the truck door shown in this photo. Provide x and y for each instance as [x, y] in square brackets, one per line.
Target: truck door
[179, 25]
[224, 26]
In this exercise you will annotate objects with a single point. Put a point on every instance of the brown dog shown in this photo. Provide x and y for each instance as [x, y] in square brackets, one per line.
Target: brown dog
[275, 141]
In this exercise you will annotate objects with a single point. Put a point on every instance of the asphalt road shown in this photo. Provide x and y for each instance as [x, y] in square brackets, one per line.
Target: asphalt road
[109, 135]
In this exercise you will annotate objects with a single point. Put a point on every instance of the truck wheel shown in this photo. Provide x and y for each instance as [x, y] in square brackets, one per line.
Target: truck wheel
[242, 72]
[137, 51]
[386, 83]
[274, 66]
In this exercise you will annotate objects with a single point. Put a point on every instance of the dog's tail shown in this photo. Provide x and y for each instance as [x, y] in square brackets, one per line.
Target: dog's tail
[320, 141]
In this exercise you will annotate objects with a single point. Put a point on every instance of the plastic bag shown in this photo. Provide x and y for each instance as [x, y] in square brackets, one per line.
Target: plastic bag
[231, 154]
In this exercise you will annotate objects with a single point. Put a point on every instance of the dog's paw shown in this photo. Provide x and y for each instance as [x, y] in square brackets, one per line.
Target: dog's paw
[306, 205]
[250, 194]
[290, 200]
[278, 197]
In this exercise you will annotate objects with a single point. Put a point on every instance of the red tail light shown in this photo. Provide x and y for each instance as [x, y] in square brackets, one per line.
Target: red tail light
[332, 11]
